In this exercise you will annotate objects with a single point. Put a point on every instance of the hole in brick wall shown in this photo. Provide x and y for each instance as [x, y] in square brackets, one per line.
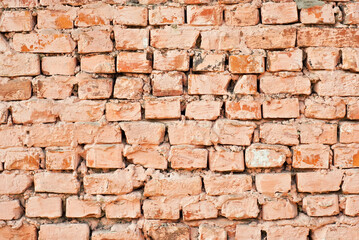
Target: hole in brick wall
[199, 41]
[263, 235]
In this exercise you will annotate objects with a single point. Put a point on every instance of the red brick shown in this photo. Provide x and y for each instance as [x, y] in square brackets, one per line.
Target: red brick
[279, 13]
[144, 132]
[98, 64]
[76, 208]
[129, 209]
[318, 132]
[123, 111]
[321, 205]
[19, 4]
[22, 158]
[50, 135]
[190, 133]
[104, 156]
[174, 38]
[10, 210]
[34, 111]
[240, 208]
[224, 159]
[167, 84]
[71, 110]
[289, 60]
[271, 84]
[25, 232]
[56, 19]
[56, 182]
[243, 109]
[166, 108]
[327, 37]
[14, 64]
[204, 15]
[59, 231]
[324, 14]
[323, 58]
[246, 64]
[350, 13]
[207, 231]
[166, 230]
[287, 232]
[247, 232]
[134, 62]
[281, 108]
[62, 158]
[14, 183]
[279, 209]
[131, 38]
[95, 132]
[319, 182]
[172, 60]
[200, 210]
[188, 157]
[221, 39]
[350, 182]
[274, 133]
[336, 83]
[95, 41]
[203, 110]
[348, 132]
[16, 21]
[210, 83]
[246, 84]
[15, 88]
[58, 65]
[163, 15]
[159, 209]
[119, 182]
[271, 183]
[335, 231]
[148, 156]
[130, 16]
[43, 43]
[266, 156]
[227, 184]
[50, 207]
[92, 15]
[322, 109]
[208, 62]
[241, 15]
[311, 156]
[350, 58]
[128, 88]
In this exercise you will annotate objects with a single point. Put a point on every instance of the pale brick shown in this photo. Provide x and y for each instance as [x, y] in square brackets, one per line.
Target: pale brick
[311, 156]
[25, 232]
[247, 232]
[327, 37]
[289, 60]
[118, 232]
[95, 132]
[222, 39]
[210, 83]
[351, 182]
[13, 183]
[204, 15]
[335, 232]
[323, 58]
[174, 38]
[324, 14]
[56, 19]
[98, 64]
[58, 65]
[208, 62]
[16, 21]
[128, 88]
[188, 158]
[94, 41]
[350, 13]
[279, 209]
[130, 16]
[318, 132]
[273, 182]
[54, 87]
[295, 85]
[72, 109]
[16, 64]
[287, 232]
[243, 109]
[12, 136]
[276, 133]
[56, 182]
[246, 84]
[165, 108]
[324, 109]
[171, 60]
[89, 88]
[319, 182]
[15, 89]
[321, 205]
[281, 108]
[353, 110]
[61, 158]
[279, 13]
[163, 15]
[227, 184]
[93, 15]
[50, 135]
[104, 156]
[148, 156]
[144, 132]
[119, 182]
[76, 208]
[34, 111]
[10, 210]
[59, 231]
[159, 209]
[133, 62]
[241, 15]
[348, 132]
[203, 110]
[200, 210]
[207, 231]
[223, 160]
[131, 39]
[162, 231]
[350, 58]
[50, 207]
[123, 111]
[190, 133]
[351, 205]
[129, 209]
[241, 208]
[346, 156]
[266, 156]
[337, 83]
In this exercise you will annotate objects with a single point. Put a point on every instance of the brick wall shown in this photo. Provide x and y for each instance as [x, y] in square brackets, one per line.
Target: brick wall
[182, 119]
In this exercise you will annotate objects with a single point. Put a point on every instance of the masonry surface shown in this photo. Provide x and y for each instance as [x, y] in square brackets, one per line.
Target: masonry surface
[179, 120]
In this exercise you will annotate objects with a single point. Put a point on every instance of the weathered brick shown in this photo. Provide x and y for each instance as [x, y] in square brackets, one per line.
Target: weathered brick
[319, 182]
[241, 208]
[49, 207]
[336, 83]
[323, 14]
[118, 231]
[148, 156]
[34, 111]
[207, 231]
[335, 231]
[95, 132]
[144, 132]
[223, 39]
[274, 133]
[16, 21]
[76, 208]
[350, 13]
[94, 41]
[98, 64]
[91, 88]
[270, 84]
[59, 231]
[92, 15]
[311, 156]
[350, 58]
[273, 182]
[14, 183]
[327, 37]
[26, 231]
[46, 135]
[321, 205]
[208, 62]
[12, 136]
[322, 109]
[131, 39]
[200, 210]
[167, 230]
[129, 209]
[241, 15]
[348, 132]
[15, 88]
[58, 65]
[227, 184]
[15, 64]
[323, 58]
[287, 232]
[203, 110]
[245, 232]
[204, 15]
[279, 209]
[56, 182]
[351, 205]
[174, 38]
[61, 158]
[22, 158]
[281, 108]
[171, 60]
[318, 132]
[190, 133]
[246, 84]
[279, 13]
[243, 109]
[130, 16]
[266, 156]
[104, 156]
[72, 109]
[346, 156]
[167, 84]
[123, 111]
[189, 158]
[350, 182]
[166, 108]
[246, 64]
[134, 62]
[19, 4]
[210, 83]
[289, 60]
[161, 209]
[56, 19]
[223, 160]
[10, 210]
[163, 15]
[128, 88]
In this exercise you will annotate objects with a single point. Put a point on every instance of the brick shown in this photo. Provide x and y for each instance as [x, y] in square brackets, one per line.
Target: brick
[281, 108]
[64, 231]
[246, 84]
[43, 43]
[321, 205]
[279, 209]
[289, 60]
[158, 209]
[16, 21]
[76, 208]
[10, 210]
[173, 38]
[56, 19]
[287, 232]
[222, 39]
[163, 15]
[322, 109]
[34, 111]
[130, 16]
[14, 183]
[190, 133]
[271, 183]
[90, 88]
[266, 156]
[318, 132]
[129, 209]
[323, 58]
[134, 62]
[95, 41]
[351, 205]
[12, 136]
[128, 88]
[348, 132]
[131, 38]
[350, 182]
[270, 84]
[56, 182]
[50, 207]
[246, 64]
[177, 185]
[104, 156]
[335, 231]
[95, 132]
[19, 4]
[210, 83]
[148, 156]
[98, 64]
[241, 15]
[58, 65]
[144, 132]
[350, 13]
[311, 156]
[208, 62]
[123, 111]
[227, 184]
[166, 108]
[318, 14]
[22, 158]
[15, 64]
[232, 132]
[4, 112]
[4, 45]
[167, 84]
[346, 156]
[26, 231]
[350, 58]
[243, 109]
[166, 230]
[92, 15]
[15, 89]
[203, 110]
[244, 232]
[61, 158]
[207, 231]
[200, 210]
[274, 133]
[336, 83]
[204, 15]
[46, 135]
[72, 109]
[223, 160]
[171, 60]
[327, 37]
[118, 231]
[119, 182]
[319, 182]
[188, 158]
[279, 13]
[241, 208]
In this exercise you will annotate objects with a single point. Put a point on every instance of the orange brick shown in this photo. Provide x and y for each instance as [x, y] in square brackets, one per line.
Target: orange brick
[318, 132]
[203, 110]
[157, 209]
[128, 88]
[279, 13]
[243, 109]
[311, 156]
[13, 183]
[130, 16]
[167, 84]
[59, 231]
[208, 62]
[131, 38]
[350, 13]
[134, 62]
[16, 21]
[171, 60]
[76, 208]
[22, 158]
[224, 159]
[98, 64]
[34, 111]
[144, 132]
[324, 109]
[281, 108]
[119, 182]
[50, 207]
[246, 64]
[266, 156]
[210, 83]
[327, 37]
[93, 15]
[71, 110]
[128, 209]
[321, 205]
[10, 210]
[94, 41]
[56, 19]
[123, 111]
[61, 158]
[279, 209]
[181, 133]
[148, 156]
[246, 84]
[56, 182]
[323, 58]
[163, 109]
[58, 65]
[350, 59]
[319, 182]
[241, 15]
[346, 156]
[166, 230]
[227, 184]
[290, 60]
[174, 38]
[318, 14]
[104, 156]
[241, 208]
[163, 15]
[15, 89]
[19, 65]
[188, 158]
[204, 15]
[200, 210]
[287, 232]
[271, 183]
[276, 133]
